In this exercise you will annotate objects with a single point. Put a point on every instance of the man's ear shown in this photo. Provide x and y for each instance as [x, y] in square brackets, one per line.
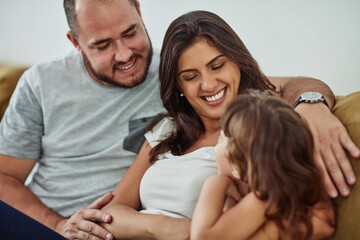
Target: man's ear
[138, 6]
[73, 40]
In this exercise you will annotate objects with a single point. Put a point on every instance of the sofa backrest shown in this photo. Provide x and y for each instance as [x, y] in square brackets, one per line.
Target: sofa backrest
[9, 76]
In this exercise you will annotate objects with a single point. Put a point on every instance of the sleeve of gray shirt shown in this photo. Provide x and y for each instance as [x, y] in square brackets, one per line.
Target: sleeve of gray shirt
[22, 125]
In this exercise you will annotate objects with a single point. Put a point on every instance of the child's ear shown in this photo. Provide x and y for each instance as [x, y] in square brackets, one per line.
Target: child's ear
[236, 173]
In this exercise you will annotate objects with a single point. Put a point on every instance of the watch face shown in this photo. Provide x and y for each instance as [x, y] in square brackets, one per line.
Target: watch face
[311, 96]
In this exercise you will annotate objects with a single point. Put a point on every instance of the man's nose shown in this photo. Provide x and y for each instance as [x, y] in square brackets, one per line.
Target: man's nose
[122, 52]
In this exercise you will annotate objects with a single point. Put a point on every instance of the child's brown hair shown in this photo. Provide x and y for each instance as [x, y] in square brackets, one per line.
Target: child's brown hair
[267, 134]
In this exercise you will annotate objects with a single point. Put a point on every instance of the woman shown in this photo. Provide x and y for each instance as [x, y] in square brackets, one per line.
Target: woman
[203, 66]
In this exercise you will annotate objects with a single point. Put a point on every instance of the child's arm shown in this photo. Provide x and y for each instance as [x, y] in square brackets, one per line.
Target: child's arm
[246, 220]
[239, 222]
[323, 221]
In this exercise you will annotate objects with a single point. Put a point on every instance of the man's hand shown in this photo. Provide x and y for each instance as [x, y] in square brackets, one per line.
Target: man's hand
[83, 224]
[331, 143]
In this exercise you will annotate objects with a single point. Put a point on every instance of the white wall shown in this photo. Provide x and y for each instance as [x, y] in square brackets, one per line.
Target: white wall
[317, 38]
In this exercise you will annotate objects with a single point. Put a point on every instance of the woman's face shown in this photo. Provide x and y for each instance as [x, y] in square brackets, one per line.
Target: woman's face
[208, 79]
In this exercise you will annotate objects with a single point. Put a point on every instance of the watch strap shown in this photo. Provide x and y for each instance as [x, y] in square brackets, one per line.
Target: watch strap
[301, 100]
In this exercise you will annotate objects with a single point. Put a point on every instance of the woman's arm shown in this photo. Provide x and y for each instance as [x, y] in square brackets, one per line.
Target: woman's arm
[126, 191]
[240, 222]
[130, 224]
[127, 222]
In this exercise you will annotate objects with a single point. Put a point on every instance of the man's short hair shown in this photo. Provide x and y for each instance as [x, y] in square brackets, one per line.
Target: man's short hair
[70, 12]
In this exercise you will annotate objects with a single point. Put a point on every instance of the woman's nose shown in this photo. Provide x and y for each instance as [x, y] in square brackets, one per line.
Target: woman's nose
[208, 84]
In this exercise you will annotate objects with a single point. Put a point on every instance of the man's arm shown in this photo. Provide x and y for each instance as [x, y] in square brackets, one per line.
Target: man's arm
[330, 136]
[13, 173]
[293, 87]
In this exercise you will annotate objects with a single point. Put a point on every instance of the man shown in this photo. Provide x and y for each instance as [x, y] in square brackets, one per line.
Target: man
[81, 117]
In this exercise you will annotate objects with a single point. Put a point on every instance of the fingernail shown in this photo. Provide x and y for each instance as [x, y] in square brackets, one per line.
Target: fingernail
[107, 217]
[357, 153]
[108, 236]
[351, 179]
[345, 191]
[333, 194]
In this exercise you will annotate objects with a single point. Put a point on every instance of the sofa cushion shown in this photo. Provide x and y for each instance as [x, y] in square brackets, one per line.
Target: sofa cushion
[9, 76]
[347, 109]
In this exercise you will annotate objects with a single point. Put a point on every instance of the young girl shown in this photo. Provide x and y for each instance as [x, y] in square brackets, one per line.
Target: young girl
[266, 147]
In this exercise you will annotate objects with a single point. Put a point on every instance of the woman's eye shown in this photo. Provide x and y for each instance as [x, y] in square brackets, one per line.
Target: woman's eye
[217, 66]
[189, 78]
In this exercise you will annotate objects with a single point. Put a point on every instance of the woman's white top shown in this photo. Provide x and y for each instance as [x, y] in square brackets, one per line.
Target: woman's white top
[172, 185]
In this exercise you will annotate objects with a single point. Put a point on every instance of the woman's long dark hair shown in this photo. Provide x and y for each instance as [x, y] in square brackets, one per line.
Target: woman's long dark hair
[267, 135]
[182, 33]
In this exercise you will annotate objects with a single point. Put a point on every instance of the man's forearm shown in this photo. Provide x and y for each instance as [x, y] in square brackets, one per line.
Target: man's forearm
[296, 86]
[14, 193]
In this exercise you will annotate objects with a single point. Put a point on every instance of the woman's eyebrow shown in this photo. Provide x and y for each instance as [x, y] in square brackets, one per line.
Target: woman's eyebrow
[209, 63]
[214, 59]
[186, 70]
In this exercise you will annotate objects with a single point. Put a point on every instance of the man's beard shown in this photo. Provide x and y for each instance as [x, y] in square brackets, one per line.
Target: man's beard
[110, 79]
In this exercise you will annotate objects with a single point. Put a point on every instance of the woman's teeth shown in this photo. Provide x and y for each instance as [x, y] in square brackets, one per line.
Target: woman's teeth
[215, 97]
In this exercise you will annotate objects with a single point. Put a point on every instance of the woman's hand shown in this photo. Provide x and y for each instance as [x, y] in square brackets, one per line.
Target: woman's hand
[83, 224]
[331, 143]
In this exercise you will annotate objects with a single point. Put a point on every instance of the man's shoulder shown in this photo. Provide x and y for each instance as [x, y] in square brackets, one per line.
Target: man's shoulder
[49, 70]
[55, 66]
[156, 52]
[153, 72]
[67, 59]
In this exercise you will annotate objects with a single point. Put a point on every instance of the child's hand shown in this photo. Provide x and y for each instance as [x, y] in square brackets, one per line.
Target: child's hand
[243, 188]
[233, 191]
[229, 203]
[233, 195]
[236, 191]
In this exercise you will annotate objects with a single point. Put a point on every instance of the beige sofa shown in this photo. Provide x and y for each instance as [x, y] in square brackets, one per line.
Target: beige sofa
[347, 109]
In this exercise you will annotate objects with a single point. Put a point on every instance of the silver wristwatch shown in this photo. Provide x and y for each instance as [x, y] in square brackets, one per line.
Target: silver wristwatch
[310, 97]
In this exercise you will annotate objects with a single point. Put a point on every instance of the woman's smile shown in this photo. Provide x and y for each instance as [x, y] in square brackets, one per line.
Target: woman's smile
[217, 98]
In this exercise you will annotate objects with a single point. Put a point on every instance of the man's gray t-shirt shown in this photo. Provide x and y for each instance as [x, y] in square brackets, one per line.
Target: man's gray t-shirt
[85, 135]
